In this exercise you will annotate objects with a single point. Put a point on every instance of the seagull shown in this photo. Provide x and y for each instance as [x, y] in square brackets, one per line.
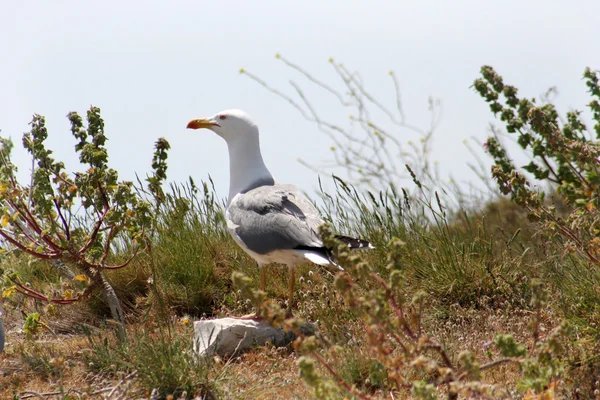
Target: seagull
[272, 222]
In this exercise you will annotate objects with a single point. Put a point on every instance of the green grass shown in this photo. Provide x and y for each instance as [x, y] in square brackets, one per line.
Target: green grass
[162, 361]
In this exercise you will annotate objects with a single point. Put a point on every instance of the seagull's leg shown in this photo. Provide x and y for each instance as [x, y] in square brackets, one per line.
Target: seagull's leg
[263, 282]
[291, 290]
[263, 277]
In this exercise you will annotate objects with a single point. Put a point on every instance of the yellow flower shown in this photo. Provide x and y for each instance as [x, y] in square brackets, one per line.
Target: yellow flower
[590, 206]
[8, 292]
[4, 221]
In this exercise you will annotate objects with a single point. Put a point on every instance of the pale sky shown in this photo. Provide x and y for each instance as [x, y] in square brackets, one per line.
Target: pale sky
[151, 66]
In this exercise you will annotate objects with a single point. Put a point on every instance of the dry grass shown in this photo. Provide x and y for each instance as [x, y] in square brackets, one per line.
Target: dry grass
[50, 362]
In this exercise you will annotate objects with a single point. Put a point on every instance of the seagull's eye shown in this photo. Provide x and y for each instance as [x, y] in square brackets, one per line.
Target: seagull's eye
[222, 116]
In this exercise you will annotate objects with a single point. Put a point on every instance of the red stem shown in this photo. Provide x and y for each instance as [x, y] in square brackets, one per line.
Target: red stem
[395, 307]
[39, 296]
[50, 256]
[32, 223]
[109, 238]
[126, 263]
[24, 232]
[26, 216]
[64, 221]
[94, 232]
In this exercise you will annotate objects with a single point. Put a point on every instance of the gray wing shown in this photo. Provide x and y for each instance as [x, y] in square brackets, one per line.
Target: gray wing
[274, 218]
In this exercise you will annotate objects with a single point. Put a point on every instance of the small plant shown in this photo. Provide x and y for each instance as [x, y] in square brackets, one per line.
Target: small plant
[32, 324]
[165, 364]
[74, 219]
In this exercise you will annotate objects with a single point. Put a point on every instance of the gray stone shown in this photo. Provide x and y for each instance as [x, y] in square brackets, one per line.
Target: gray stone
[229, 337]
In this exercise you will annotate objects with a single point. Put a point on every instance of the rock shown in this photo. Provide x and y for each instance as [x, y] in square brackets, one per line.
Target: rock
[228, 337]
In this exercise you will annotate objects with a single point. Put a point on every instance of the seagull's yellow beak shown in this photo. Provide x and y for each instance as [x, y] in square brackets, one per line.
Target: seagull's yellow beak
[201, 123]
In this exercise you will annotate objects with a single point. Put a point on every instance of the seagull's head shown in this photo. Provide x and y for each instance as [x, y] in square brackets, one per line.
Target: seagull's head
[229, 124]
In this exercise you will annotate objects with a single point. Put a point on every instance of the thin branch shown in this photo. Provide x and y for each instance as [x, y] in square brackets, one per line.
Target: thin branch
[126, 263]
[315, 81]
[397, 310]
[109, 239]
[23, 231]
[40, 296]
[26, 215]
[28, 394]
[398, 97]
[32, 223]
[440, 350]
[489, 365]
[277, 92]
[94, 232]
[14, 242]
[368, 96]
[64, 221]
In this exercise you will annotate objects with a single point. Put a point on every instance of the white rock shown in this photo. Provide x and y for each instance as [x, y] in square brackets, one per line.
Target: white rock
[232, 336]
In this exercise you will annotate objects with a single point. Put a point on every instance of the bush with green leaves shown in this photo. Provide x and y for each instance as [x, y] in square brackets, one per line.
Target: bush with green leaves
[74, 220]
[563, 153]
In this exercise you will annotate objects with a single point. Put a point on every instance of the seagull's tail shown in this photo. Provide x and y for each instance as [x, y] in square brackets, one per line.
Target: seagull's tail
[355, 244]
[324, 256]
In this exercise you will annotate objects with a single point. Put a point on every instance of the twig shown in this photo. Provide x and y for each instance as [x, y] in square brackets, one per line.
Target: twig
[126, 263]
[109, 238]
[30, 393]
[39, 296]
[489, 365]
[398, 310]
[94, 232]
[121, 382]
[62, 218]
[314, 80]
[440, 350]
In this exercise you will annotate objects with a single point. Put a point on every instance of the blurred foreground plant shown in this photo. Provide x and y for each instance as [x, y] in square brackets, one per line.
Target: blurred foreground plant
[74, 219]
[410, 359]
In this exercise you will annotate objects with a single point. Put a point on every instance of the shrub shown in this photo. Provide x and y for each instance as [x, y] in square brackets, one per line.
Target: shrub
[74, 219]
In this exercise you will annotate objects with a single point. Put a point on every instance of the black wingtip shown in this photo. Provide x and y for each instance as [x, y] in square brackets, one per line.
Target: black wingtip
[355, 244]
